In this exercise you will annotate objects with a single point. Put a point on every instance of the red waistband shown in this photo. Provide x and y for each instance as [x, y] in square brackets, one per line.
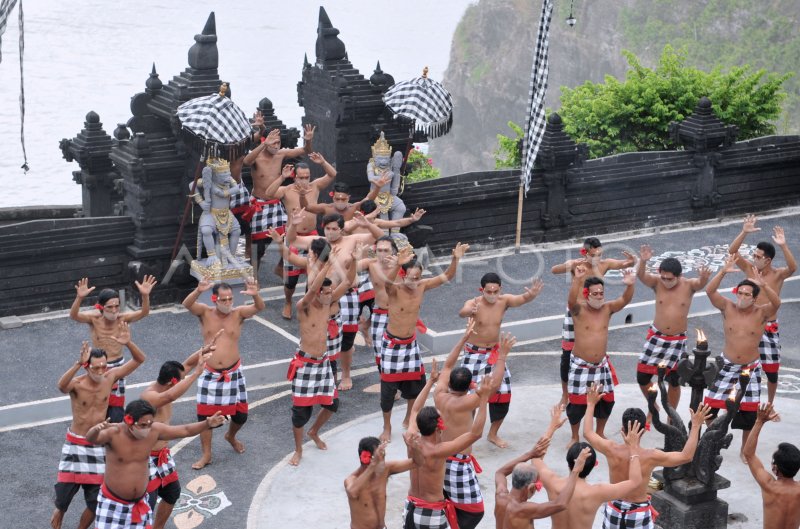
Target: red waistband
[648, 507]
[224, 374]
[78, 440]
[665, 337]
[394, 340]
[444, 505]
[163, 455]
[262, 202]
[467, 459]
[380, 311]
[140, 506]
[298, 361]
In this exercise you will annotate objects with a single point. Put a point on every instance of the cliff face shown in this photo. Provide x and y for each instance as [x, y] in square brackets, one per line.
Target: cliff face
[492, 53]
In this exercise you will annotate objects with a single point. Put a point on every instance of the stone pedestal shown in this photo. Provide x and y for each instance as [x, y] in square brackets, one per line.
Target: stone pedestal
[688, 504]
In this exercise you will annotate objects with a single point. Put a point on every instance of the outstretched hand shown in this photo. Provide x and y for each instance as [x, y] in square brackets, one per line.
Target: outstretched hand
[766, 412]
[701, 415]
[83, 289]
[540, 449]
[628, 277]
[778, 236]
[86, 350]
[460, 250]
[146, 286]
[204, 284]
[252, 287]
[594, 393]
[124, 336]
[645, 252]
[633, 435]
[749, 225]
[308, 132]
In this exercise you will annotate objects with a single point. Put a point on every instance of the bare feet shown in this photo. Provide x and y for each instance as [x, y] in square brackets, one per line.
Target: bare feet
[237, 445]
[202, 462]
[494, 439]
[317, 441]
[287, 311]
[295, 460]
[345, 384]
[56, 519]
[572, 441]
[386, 436]
[405, 424]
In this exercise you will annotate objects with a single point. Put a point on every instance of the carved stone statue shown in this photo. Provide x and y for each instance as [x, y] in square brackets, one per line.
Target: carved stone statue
[382, 162]
[218, 231]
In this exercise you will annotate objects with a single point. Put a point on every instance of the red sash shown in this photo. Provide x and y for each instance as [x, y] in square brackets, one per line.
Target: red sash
[445, 505]
[140, 507]
[297, 362]
[224, 374]
[469, 459]
[493, 354]
[333, 328]
[257, 206]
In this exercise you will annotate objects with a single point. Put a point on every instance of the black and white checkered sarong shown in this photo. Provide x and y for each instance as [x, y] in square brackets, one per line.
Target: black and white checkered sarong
[266, 214]
[114, 513]
[365, 289]
[568, 332]
[117, 397]
[620, 514]
[727, 381]
[312, 380]
[333, 342]
[380, 318]
[240, 199]
[661, 348]
[583, 374]
[291, 270]
[81, 462]
[162, 469]
[423, 518]
[400, 359]
[222, 391]
[477, 360]
[770, 348]
[461, 480]
[348, 307]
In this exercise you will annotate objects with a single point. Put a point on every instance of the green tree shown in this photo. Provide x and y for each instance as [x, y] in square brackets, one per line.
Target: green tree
[509, 153]
[634, 114]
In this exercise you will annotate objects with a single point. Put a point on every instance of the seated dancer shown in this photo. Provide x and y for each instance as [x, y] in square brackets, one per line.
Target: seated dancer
[666, 339]
[780, 494]
[310, 370]
[265, 210]
[520, 513]
[744, 324]
[589, 362]
[425, 507]
[480, 353]
[103, 323]
[122, 500]
[539, 450]
[588, 498]
[769, 348]
[592, 259]
[366, 486]
[634, 509]
[171, 384]
[456, 405]
[222, 386]
[82, 462]
[290, 195]
[401, 366]
[348, 304]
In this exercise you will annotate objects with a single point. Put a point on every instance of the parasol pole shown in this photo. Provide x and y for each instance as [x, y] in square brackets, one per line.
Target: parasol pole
[519, 218]
[186, 209]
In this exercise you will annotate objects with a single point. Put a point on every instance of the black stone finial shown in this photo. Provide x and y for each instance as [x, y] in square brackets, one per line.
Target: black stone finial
[329, 47]
[554, 119]
[153, 83]
[380, 78]
[121, 132]
[264, 105]
[92, 117]
[203, 55]
[306, 64]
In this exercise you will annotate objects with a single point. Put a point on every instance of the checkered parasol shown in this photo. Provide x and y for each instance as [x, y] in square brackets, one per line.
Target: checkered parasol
[216, 123]
[423, 100]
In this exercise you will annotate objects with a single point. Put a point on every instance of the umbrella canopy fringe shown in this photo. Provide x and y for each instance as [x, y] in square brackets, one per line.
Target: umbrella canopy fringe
[208, 148]
[435, 130]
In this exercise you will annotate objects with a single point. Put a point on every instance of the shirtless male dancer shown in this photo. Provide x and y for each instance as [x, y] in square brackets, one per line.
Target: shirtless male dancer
[634, 509]
[332, 226]
[425, 506]
[103, 321]
[780, 494]
[171, 384]
[290, 195]
[743, 322]
[266, 210]
[589, 362]
[591, 257]
[82, 463]
[310, 370]
[366, 486]
[401, 365]
[122, 500]
[222, 385]
[456, 405]
[480, 353]
[589, 497]
[666, 339]
[340, 200]
[770, 347]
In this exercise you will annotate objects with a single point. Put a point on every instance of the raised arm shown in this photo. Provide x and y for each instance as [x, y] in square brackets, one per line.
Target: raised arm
[100, 434]
[66, 382]
[699, 282]
[748, 226]
[765, 414]
[629, 279]
[537, 452]
[158, 399]
[315, 285]
[529, 295]
[275, 189]
[419, 403]
[191, 300]
[573, 301]
[530, 510]
[466, 439]
[137, 356]
[647, 279]
[307, 148]
[717, 299]
[619, 264]
[258, 305]
[355, 485]
[452, 359]
[450, 273]
[400, 223]
[612, 491]
[145, 288]
[673, 459]
[330, 171]
[780, 239]
[774, 301]
[601, 444]
[82, 290]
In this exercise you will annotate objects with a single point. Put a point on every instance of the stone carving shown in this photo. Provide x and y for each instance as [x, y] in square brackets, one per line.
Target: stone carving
[382, 163]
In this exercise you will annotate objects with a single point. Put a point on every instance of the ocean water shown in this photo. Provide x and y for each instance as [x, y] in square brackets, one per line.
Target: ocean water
[95, 55]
